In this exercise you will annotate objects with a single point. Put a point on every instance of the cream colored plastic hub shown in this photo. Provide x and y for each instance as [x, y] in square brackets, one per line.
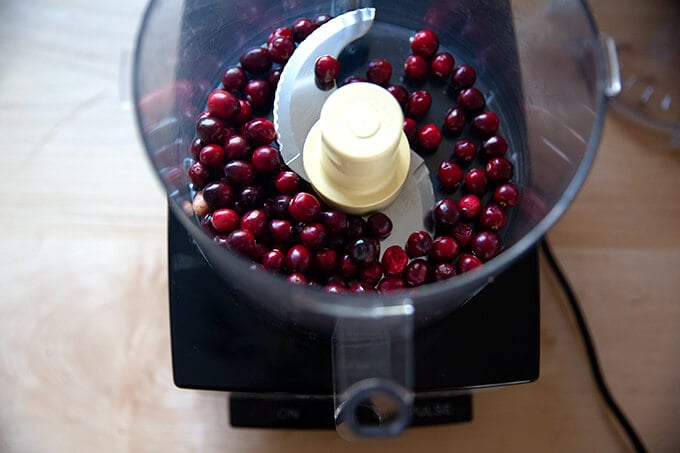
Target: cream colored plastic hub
[357, 155]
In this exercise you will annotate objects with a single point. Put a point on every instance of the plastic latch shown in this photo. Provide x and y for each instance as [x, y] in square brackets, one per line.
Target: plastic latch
[612, 81]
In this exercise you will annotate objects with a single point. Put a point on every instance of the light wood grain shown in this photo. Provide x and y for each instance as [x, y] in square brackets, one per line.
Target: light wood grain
[84, 339]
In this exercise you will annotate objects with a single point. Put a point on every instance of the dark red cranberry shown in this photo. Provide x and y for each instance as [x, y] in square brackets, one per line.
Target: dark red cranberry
[245, 114]
[196, 146]
[280, 49]
[220, 240]
[326, 261]
[259, 93]
[470, 206]
[259, 132]
[486, 245]
[334, 288]
[255, 221]
[353, 79]
[287, 182]
[455, 119]
[224, 220]
[425, 43]
[256, 60]
[299, 259]
[347, 267]
[304, 207]
[357, 227]
[239, 173]
[495, 146]
[281, 31]
[313, 235]
[442, 271]
[266, 159]
[467, 263]
[410, 130]
[218, 194]
[445, 213]
[322, 19]
[476, 181]
[364, 251]
[280, 231]
[379, 225]
[326, 69]
[199, 174]
[361, 287]
[394, 260]
[234, 79]
[465, 151]
[212, 155]
[379, 71]
[236, 147]
[335, 221]
[416, 67]
[223, 104]
[417, 273]
[371, 273]
[464, 76]
[399, 92]
[418, 104]
[450, 174]
[444, 248]
[302, 28]
[210, 130]
[297, 278]
[242, 242]
[506, 195]
[471, 99]
[492, 217]
[274, 78]
[419, 243]
[338, 280]
[278, 206]
[499, 170]
[429, 137]
[274, 260]
[442, 64]
[486, 123]
[462, 233]
[390, 284]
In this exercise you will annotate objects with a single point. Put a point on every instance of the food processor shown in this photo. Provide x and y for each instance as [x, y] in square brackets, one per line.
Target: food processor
[373, 364]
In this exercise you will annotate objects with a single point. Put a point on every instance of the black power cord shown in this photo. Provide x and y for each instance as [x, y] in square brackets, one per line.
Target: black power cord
[590, 349]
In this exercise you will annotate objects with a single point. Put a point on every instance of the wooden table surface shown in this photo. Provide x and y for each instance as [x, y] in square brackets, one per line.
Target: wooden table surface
[84, 338]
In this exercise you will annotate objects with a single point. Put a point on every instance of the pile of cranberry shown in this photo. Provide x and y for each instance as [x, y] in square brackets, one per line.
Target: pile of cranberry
[253, 204]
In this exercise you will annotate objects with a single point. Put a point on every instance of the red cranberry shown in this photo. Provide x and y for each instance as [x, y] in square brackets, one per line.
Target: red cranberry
[476, 181]
[255, 221]
[256, 60]
[239, 173]
[297, 278]
[357, 227]
[210, 130]
[280, 49]
[492, 217]
[302, 28]
[326, 261]
[455, 119]
[467, 263]
[495, 146]
[445, 213]
[287, 182]
[298, 259]
[251, 197]
[394, 260]
[464, 76]
[379, 225]
[486, 245]
[416, 67]
[212, 155]
[266, 159]
[223, 104]
[442, 64]
[218, 194]
[429, 137]
[499, 170]
[465, 151]
[245, 114]
[471, 99]
[443, 271]
[224, 220]
[444, 248]
[418, 104]
[462, 233]
[364, 251]
[242, 242]
[281, 31]
[304, 207]
[335, 221]
[361, 287]
[347, 267]
[506, 195]
[280, 230]
[390, 284]
[417, 273]
[470, 206]
[419, 243]
[379, 71]
[338, 280]
[353, 79]
[450, 174]
[326, 69]
[236, 147]
[334, 288]
[410, 130]
[313, 235]
[399, 92]
[371, 273]
[322, 19]
[196, 146]
[234, 79]
[260, 131]
[278, 206]
[425, 43]
[274, 78]
[199, 174]
[273, 260]
[486, 123]
[259, 93]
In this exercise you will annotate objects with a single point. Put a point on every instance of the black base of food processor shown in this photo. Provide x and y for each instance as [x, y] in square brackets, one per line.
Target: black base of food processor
[282, 378]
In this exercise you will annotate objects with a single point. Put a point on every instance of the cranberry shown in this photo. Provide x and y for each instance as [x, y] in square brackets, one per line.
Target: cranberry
[465, 151]
[371, 273]
[218, 194]
[302, 28]
[353, 79]
[255, 221]
[224, 220]
[425, 43]
[326, 69]
[410, 130]
[280, 231]
[471, 99]
[236, 148]
[416, 67]
[273, 260]
[444, 248]
[462, 233]
[347, 267]
[499, 170]
[212, 155]
[334, 288]
[506, 195]
[322, 19]
[196, 146]
[470, 206]
[486, 123]
[313, 235]
[495, 146]
[418, 104]
[335, 221]
[455, 119]
[256, 60]
[199, 174]
[259, 93]
[234, 79]
[450, 174]
[442, 64]
[220, 240]
[210, 130]
[259, 132]
[298, 259]
[467, 263]
[364, 250]
[492, 217]
[198, 206]
[394, 260]
[399, 92]
[445, 213]
[417, 273]
[464, 76]
[486, 245]
[239, 173]
[429, 137]
[356, 228]
[266, 159]
[304, 207]
[379, 225]
[281, 31]
[390, 284]
[278, 206]
[476, 181]
[379, 71]
[443, 271]
[223, 104]
[326, 261]
[419, 243]
[245, 114]
[280, 49]
[287, 182]
[297, 278]
[242, 242]
[361, 287]
[274, 78]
